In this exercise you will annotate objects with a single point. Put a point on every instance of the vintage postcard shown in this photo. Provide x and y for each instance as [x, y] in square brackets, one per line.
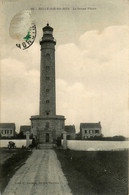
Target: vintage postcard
[64, 97]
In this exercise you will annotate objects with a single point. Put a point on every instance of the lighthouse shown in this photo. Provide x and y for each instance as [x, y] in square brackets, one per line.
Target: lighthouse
[47, 126]
[47, 73]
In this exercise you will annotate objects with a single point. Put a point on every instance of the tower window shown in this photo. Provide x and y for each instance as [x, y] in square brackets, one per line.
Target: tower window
[47, 112]
[48, 56]
[47, 68]
[48, 59]
[47, 90]
[47, 78]
[47, 124]
[47, 101]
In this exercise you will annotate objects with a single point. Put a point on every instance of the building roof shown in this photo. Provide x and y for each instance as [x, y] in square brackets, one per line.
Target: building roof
[70, 128]
[7, 125]
[90, 125]
[25, 128]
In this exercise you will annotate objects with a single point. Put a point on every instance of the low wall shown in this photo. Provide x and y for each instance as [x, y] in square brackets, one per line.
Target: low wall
[97, 145]
[18, 142]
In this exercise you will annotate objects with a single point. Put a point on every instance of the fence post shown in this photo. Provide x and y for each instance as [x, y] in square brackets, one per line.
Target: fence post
[27, 139]
[64, 140]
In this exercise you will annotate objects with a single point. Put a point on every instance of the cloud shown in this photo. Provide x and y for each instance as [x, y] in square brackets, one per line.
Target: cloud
[92, 81]
[110, 40]
[30, 57]
[20, 90]
[99, 63]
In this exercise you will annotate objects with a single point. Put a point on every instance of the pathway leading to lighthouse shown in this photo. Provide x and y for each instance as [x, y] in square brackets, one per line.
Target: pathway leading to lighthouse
[41, 175]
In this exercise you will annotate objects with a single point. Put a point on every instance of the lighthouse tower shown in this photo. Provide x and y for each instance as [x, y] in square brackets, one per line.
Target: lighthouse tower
[47, 73]
[47, 126]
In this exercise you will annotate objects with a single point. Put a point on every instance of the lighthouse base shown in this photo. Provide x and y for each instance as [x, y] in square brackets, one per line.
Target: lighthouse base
[46, 130]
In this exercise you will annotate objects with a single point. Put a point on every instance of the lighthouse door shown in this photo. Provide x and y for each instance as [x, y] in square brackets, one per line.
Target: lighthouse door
[47, 137]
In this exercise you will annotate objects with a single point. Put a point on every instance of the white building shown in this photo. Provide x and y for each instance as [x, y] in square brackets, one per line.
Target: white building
[7, 129]
[88, 130]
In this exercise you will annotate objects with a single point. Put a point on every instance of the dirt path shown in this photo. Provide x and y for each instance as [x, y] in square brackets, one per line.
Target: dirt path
[41, 175]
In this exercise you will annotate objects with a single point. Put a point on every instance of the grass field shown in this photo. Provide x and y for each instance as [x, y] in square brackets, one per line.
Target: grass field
[10, 161]
[90, 173]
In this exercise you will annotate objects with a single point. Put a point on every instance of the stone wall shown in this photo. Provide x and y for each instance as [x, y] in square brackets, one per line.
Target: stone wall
[18, 142]
[97, 145]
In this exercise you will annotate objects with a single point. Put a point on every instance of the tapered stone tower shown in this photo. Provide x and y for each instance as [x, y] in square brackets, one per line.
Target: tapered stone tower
[47, 73]
[47, 126]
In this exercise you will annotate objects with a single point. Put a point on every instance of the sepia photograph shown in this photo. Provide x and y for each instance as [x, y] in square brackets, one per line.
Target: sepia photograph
[64, 118]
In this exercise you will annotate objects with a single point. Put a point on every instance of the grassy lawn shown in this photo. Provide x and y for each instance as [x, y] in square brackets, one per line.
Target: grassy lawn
[10, 161]
[91, 173]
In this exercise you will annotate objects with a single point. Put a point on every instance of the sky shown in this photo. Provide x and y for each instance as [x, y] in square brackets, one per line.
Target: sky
[92, 55]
